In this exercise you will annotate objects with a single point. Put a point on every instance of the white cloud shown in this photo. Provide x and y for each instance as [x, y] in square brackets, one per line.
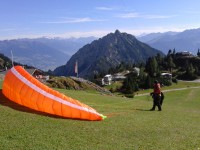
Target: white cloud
[74, 20]
[95, 33]
[129, 15]
[104, 8]
[136, 32]
[138, 15]
[156, 16]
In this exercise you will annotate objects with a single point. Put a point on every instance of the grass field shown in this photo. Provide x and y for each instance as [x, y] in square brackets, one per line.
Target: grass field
[129, 124]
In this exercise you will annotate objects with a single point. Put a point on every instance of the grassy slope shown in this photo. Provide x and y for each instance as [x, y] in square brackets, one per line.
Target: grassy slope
[128, 126]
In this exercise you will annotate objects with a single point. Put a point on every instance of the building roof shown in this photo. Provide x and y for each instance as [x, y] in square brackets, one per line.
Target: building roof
[30, 71]
[166, 74]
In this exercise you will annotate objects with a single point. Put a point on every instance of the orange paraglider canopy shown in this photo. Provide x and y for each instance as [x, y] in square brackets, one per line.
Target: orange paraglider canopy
[19, 86]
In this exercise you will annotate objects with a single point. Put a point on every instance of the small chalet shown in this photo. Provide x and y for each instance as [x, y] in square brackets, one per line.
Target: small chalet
[107, 79]
[183, 53]
[38, 74]
[166, 76]
[119, 77]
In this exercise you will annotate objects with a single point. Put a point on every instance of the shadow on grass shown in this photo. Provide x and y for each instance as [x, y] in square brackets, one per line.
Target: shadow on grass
[6, 102]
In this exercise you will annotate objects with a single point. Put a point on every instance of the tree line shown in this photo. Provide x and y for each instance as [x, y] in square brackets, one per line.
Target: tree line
[181, 66]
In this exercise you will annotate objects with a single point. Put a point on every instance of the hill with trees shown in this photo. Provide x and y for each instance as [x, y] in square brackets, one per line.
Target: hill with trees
[6, 63]
[182, 66]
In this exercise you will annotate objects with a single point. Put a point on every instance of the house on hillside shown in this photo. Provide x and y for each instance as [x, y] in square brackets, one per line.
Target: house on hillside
[120, 76]
[167, 76]
[107, 79]
[183, 54]
[38, 74]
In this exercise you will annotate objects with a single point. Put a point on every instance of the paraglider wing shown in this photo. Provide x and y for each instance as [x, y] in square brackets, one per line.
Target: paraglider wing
[19, 86]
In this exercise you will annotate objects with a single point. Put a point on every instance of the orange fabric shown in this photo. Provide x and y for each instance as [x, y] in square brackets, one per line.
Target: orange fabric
[22, 88]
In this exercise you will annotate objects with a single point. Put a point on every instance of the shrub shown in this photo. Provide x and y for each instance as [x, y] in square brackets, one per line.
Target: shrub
[112, 90]
[174, 80]
[129, 95]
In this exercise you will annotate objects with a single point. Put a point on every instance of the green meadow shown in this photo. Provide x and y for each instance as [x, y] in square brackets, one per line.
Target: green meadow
[129, 124]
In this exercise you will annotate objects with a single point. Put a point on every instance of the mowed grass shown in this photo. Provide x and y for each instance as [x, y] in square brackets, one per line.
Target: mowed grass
[129, 124]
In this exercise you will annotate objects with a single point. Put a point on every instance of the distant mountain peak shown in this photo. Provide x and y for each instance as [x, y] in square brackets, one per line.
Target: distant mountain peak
[117, 32]
[106, 52]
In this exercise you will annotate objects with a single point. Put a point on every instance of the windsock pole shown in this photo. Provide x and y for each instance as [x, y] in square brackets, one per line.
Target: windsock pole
[12, 58]
[76, 68]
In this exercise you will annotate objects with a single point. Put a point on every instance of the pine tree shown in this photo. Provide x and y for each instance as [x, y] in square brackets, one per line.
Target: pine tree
[128, 85]
[198, 53]
[169, 53]
[152, 67]
[149, 82]
[142, 78]
[190, 72]
[170, 63]
[174, 53]
[160, 61]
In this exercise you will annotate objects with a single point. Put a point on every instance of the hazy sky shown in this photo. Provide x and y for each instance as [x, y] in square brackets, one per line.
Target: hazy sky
[80, 18]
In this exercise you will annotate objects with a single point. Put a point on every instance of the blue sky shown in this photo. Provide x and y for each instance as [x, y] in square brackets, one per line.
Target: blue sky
[82, 18]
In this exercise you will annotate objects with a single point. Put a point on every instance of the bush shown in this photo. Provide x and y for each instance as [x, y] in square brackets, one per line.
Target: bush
[174, 80]
[188, 77]
[129, 95]
[166, 82]
[112, 90]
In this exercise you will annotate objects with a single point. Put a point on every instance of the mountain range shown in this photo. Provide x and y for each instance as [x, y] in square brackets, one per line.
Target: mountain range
[43, 53]
[187, 40]
[106, 52]
[49, 53]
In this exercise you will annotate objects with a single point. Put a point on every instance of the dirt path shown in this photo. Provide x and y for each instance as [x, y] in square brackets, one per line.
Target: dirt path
[195, 87]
